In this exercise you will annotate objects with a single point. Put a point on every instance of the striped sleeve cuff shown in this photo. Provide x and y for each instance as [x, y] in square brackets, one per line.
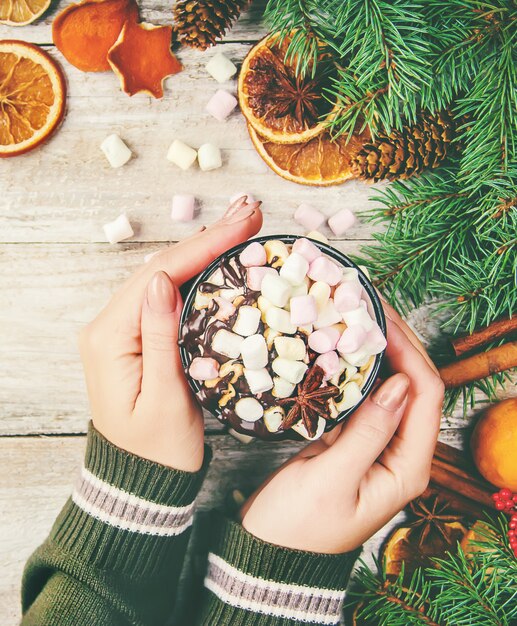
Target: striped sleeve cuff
[252, 582]
[127, 513]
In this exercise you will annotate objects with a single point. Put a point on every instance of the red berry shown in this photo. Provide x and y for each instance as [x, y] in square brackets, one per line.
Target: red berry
[513, 518]
[512, 525]
[505, 493]
[515, 498]
[495, 497]
[511, 534]
[500, 506]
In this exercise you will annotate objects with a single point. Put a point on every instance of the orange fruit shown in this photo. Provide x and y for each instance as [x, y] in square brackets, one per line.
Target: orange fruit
[477, 535]
[32, 97]
[22, 12]
[320, 161]
[278, 104]
[494, 444]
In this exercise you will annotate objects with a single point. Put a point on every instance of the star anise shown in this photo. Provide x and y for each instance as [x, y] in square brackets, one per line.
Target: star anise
[432, 516]
[311, 402]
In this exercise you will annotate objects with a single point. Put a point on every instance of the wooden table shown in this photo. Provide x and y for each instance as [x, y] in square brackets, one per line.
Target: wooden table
[57, 271]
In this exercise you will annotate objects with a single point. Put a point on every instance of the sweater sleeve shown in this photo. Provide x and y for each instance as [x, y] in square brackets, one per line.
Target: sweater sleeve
[253, 583]
[115, 552]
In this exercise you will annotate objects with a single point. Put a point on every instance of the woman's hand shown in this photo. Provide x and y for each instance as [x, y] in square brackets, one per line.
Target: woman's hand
[340, 490]
[139, 397]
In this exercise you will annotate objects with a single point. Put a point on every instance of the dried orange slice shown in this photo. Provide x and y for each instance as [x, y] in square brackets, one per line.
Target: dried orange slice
[22, 12]
[321, 161]
[278, 104]
[32, 97]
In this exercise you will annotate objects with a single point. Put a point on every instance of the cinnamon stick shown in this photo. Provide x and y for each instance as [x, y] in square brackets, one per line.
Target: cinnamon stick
[495, 330]
[480, 365]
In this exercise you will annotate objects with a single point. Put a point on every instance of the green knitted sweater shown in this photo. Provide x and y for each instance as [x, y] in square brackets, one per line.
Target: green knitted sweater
[116, 550]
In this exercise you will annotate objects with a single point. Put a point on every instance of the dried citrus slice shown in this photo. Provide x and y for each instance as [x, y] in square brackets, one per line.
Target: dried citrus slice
[32, 97]
[280, 105]
[321, 161]
[22, 12]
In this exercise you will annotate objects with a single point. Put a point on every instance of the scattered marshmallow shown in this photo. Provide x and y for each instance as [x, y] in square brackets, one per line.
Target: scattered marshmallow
[118, 230]
[254, 352]
[273, 418]
[116, 151]
[324, 340]
[249, 198]
[375, 340]
[280, 320]
[301, 430]
[183, 206]
[328, 316]
[303, 310]
[329, 363]
[352, 339]
[258, 381]
[317, 236]
[358, 317]
[347, 295]
[276, 289]
[203, 368]
[292, 371]
[221, 68]
[221, 104]
[320, 291]
[249, 409]
[209, 157]
[253, 254]
[255, 276]
[292, 348]
[181, 155]
[309, 217]
[325, 270]
[247, 322]
[282, 388]
[295, 269]
[341, 221]
[307, 249]
[225, 309]
[227, 343]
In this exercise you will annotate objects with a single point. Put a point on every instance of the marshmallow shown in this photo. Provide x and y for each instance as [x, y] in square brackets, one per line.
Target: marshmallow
[341, 221]
[325, 270]
[320, 291]
[183, 206]
[351, 396]
[209, 157]
[255, 275]
[116, 151]
[317, 236]
[364, 270]
[295, 269]
[263, 304]
[309, 217]
[282, 388]
[352, 339]
[273, 418]
[258, 380]
[291, 348]
[358, 317]
[181, 155]
[329, 363]
[232, 293]
[349, 274]
[358, 358]
[203, 368]
[303, 310]
[375, 340]
[247, 322]
[118, 230]
[279, 320]
[347, 295]
[301, 430]
[254, 352]
[276, 289]
[221, 68]
[307, 249]
[249, 409]
[327, 316]
[245, 439]
[276, 252]
[323, 340]
[300, 290]
[292, 371]
[225, 309]
[227, 343]
[221, 104]
[241, 194]
[253, 254]
[270, 335]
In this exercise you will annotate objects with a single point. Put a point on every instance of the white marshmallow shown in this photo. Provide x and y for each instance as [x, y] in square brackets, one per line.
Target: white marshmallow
[276, 289]
[254, 352]
[301, 430]
[279, 320]
[181, 155]
[365, 271]
[291, 348]
[349, 274]
[282, 388]
[358, 317]
[292, 371]
[317, 236]
[320, 291]
[221, 68]
[231, 294]
[295, 269]
[273, 418]
[328, 316]
[249, 409]
[115, 150]
[358, 358]
[351, 396]
[118, 230]
[248, 319]
[227, 343]
[245, 439]
[258, 380]
[300, 290]
[209, 157]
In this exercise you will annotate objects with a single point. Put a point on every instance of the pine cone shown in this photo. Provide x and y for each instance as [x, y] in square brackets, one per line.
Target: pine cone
[200, 24]
[409, 151]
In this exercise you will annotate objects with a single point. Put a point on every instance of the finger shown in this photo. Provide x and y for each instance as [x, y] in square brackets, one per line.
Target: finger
[369, 430]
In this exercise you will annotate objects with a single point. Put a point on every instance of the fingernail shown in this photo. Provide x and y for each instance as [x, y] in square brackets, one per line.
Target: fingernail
[161, 294]
[391, 394]
[200, 230]
[235, 206]
[241, 214]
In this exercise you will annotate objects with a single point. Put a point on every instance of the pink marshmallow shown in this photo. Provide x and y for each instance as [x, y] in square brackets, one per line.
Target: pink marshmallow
[221, 104]
[324, 339]
[375, 340]
[303, 310]
[225, 309]
[347, 296]
[203, 368]
[341, 221]
[309, 217]
[352, 339]
[329, 363]
[307, 249]
[255, 275]
[323, 269]
[183, 207]
[254, 254]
